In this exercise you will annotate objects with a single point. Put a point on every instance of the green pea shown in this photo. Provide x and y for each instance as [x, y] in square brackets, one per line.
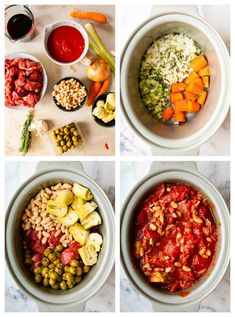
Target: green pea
[62, 143]
[52, 282]
[38, 278]
[69, 144]
[74, 138]
[75, 133]
[79, 271]
[52, 257]
[37, 270]
[60, 266]
[45, 261]
[59, 271]
[72, 129]
[44, 272]
[78, 279]
[70, 285]
[56, 286]
[59, 137]
[56, 262]
[59, 248]
[63, 285]
[86, 268]
[66, 131]
[47, 252]
[66, 268]
[53, 275]
[45, 282]
[74, 263]
[69, 277]
[57, 131]
[72, 270]
[51, 266]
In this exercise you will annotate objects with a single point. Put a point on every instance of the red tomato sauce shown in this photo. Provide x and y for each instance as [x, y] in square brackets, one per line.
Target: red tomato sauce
[65, 44]
[175, 236]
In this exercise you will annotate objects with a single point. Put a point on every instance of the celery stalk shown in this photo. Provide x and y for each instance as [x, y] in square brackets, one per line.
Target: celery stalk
[97, 45]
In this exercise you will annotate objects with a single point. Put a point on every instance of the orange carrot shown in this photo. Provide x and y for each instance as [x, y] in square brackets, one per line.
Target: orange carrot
[179, 117]
[198, 63]
[205, 80]
[204, 71]
[190, 96]
[191, 77]
[104, 87]
[94, 16]
[181, 105]
[176, 96]
[195, 88]
[178, 87]
[202, 98]
[95, 88]
[193, 106]
[167, 113]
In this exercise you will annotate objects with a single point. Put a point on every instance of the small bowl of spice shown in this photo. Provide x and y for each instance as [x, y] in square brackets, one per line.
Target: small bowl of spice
[69, 94]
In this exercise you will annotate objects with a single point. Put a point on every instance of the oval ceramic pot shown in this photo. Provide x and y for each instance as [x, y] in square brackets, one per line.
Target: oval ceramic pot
[161, 299]
[47, 174]
[187, 138]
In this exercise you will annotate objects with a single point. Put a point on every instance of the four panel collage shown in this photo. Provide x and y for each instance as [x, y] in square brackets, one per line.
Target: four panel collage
[117, 209]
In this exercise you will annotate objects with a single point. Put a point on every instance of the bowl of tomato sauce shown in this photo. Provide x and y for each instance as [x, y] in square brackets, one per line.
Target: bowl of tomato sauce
[175, 237]
[65, 42]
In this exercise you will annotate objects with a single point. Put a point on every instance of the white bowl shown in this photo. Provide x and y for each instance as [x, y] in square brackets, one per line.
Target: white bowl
[205, 123]
[50, 27]
[201, 289]
[34, 59]
[47, 174]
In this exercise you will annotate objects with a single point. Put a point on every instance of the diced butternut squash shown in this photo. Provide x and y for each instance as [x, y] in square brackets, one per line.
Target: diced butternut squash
[195, 88]
[167, 113]
[193, 106]
[190, 96]
[198, 81]
[181, 105]
[176, 96]
[198, 63]
[178, 87]
[202, 98]
[204, 72]
[205, 80]
[191, 77]
[179, 117]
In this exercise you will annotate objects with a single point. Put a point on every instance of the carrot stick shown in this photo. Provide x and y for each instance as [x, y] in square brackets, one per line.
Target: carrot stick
[198, 63]
[179, 117]
[93, 92]
[178, 87]
[191, 78]
[176, 96]
[167, 113]
[104, 87]
[202, 98]
[204, 71]
[193, 106]
[94, 16]
[181, 105]
[190, 96]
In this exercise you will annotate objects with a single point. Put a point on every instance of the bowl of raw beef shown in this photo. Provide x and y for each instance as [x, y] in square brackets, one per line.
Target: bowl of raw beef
[25, 80]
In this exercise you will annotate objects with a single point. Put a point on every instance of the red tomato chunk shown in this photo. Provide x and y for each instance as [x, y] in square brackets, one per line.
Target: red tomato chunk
[175, 236]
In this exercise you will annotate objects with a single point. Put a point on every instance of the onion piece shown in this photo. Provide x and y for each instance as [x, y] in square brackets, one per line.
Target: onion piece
[98, 70]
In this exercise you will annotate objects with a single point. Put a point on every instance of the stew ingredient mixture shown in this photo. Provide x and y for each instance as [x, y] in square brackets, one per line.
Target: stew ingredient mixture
[173, 78]
[60, 235]
[175, 236]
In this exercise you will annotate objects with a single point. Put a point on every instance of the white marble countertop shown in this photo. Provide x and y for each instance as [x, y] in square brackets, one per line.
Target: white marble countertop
[95, 136]
[219, 174]
[214, 15]
[18, 172]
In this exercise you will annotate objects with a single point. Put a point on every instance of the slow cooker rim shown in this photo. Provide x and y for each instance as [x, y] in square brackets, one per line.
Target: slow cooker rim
[211, 128]
[109, 260]
[224, 265]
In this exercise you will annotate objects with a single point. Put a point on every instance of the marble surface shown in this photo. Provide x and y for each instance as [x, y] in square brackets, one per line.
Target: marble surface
[219, 174]
[18, 172]
[130, 144]
[95, 136]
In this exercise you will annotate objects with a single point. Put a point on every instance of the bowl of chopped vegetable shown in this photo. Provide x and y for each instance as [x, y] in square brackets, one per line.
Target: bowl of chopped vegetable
[175, 237]
[175, 83]
[103, 109]
[58, 186]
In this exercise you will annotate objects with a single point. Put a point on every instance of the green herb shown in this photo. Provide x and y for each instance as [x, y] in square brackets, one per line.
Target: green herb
[26, 134]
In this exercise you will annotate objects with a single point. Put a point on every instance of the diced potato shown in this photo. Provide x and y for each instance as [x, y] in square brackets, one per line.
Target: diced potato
[79, 233]
[64, 197]
[70, 218]
[96, 240]
[56, 209]
[88, 254]
[92, 220]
